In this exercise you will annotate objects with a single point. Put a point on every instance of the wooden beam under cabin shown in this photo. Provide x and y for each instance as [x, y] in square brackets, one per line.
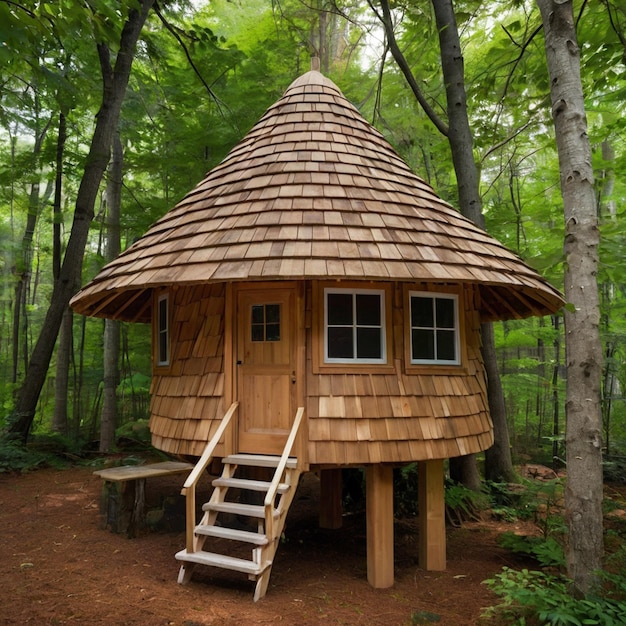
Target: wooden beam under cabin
[432, 522]
[379, 515]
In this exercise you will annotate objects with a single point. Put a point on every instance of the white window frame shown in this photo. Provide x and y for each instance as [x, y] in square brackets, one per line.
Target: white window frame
[432, 295]
[383, 327]
[163, 331]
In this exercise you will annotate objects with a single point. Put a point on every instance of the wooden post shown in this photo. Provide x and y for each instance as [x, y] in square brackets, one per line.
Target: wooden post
[432, 520]
[330, 498]
[379, 513]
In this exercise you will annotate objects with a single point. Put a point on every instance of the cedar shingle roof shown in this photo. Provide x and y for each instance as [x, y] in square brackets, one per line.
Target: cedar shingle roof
[314, 191]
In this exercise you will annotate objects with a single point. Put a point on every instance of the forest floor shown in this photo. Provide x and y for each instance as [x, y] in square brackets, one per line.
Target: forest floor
[58, 566]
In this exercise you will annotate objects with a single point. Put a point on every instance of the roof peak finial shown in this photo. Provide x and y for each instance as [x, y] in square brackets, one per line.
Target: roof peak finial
[315, 64]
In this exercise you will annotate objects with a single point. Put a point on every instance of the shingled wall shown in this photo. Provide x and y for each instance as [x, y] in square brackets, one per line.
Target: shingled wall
[188, 397]
[353, 418]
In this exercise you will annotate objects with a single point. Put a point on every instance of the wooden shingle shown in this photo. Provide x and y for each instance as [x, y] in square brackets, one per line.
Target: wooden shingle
[313, 161]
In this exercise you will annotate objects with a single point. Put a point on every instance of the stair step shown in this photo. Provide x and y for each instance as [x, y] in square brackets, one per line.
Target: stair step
[251, 485]
[223, 561]
[232, 533]
[259, 460]
[248, 510]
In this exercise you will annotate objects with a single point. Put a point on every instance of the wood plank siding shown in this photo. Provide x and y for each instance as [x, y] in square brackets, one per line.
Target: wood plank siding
[187, 397]
[369, 415]
[314, 196]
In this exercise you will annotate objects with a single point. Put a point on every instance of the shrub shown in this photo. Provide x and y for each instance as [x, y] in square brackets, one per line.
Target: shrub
[14, 457]
[547, 551]
[531, 597]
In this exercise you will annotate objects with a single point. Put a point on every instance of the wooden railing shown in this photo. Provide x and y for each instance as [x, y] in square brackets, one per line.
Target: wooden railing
[280, 469]
[189, 488]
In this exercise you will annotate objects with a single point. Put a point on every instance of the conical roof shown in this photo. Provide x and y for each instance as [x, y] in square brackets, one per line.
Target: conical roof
[313, 191]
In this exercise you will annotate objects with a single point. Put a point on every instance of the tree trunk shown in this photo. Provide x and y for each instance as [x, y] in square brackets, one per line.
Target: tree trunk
[464, 470]
[114, 88]
[23, 269]
[108, 417]
[583, 494]
[461, 146]
[608, 208]
[61, 381]
[556, 430]
[57, 214]
[498, 463]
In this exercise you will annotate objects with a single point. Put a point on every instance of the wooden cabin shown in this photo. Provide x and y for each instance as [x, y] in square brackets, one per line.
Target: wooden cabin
[316, 306]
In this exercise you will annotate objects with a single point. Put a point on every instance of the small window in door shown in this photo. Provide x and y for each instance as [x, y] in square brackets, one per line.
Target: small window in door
[265, 322]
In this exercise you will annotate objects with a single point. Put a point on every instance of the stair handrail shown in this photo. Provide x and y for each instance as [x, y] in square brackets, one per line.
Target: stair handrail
[268, 503]
[189, 488]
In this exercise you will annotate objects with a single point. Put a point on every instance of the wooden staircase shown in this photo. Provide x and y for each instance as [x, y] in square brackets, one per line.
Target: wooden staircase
[220, 517]
[221, 512]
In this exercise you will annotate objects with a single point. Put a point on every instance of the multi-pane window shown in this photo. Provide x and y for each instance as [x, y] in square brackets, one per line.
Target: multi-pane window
[265, 322]
[354, 326]
[434, 328]
[163, 332]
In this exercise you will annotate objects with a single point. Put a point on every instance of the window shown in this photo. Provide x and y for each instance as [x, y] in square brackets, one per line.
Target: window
[265, 322]
[434, 328]
[354, 326]
[163, 331]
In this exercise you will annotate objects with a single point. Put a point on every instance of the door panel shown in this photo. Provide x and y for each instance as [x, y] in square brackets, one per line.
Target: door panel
[266, 370]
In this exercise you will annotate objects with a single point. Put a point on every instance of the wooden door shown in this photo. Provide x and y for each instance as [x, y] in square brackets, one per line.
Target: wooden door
[266, 368]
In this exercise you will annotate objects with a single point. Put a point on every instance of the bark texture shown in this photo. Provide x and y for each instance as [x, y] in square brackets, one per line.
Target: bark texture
[458, 132]
[583, 495]
[108, 419]
[115, 81]
[64, 350]
[498, 463]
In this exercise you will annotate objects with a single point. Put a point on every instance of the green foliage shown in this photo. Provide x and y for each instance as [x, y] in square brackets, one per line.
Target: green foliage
[539, 501]
[532, 597]
[614, 468]
[423, 618]
[16, 458]
[463, 503]
[137, 432]
[547, 551]
[44, 450]
[405, 490]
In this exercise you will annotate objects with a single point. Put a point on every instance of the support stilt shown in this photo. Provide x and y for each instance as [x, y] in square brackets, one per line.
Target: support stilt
[432, 521]
[379, 513]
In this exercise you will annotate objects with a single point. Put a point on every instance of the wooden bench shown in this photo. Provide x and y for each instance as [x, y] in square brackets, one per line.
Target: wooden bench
[123, 501]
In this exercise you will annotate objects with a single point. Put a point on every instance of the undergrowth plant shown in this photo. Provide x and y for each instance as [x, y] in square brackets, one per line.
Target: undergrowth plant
[548, 552]
[16, 458]
[538, 598]
[540, 502]
[463, 503]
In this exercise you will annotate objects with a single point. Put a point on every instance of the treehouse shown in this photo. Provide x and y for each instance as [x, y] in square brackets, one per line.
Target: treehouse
[315, 306]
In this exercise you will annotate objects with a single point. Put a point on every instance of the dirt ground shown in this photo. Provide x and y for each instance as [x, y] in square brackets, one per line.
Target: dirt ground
[58, 566]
